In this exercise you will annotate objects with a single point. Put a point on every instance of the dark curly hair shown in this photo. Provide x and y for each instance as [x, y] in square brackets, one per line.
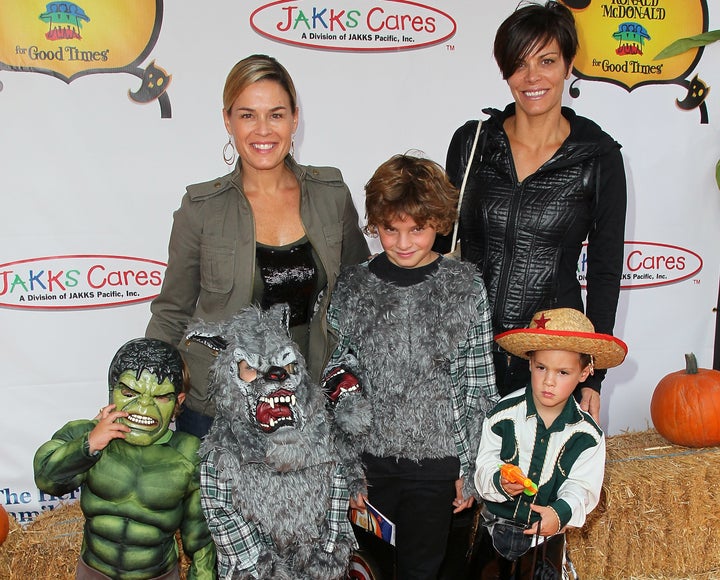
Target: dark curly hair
[413, 186]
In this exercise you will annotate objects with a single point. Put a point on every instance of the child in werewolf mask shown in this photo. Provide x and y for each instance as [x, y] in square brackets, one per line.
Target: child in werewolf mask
[139, 480]
[272, 489]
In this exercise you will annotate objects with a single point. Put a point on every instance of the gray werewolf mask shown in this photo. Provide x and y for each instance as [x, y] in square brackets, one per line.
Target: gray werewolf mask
[267, 407]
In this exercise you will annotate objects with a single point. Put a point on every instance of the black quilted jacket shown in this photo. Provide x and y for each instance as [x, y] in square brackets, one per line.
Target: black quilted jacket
[526, 238]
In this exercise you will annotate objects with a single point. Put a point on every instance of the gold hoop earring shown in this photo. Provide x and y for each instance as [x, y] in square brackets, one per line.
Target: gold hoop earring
[228, 152]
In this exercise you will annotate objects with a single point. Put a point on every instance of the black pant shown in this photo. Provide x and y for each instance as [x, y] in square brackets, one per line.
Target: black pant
[193, 422]
[422, 511]
[511, 372]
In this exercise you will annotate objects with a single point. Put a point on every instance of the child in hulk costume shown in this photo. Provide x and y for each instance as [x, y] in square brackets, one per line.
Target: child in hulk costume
[140, 481]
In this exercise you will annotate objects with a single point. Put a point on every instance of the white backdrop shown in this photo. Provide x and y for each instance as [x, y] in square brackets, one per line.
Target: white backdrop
[87, 171]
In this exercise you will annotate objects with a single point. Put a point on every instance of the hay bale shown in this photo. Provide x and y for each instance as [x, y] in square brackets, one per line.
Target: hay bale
[49, 547]
[658, 515]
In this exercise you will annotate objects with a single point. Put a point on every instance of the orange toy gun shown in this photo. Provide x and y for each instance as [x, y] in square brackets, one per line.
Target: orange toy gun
[515, 475]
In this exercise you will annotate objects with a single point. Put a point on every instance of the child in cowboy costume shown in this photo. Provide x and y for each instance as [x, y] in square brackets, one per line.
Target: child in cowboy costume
[557, 446]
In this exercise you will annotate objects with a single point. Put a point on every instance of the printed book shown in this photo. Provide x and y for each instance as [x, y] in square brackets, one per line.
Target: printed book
[372, 520]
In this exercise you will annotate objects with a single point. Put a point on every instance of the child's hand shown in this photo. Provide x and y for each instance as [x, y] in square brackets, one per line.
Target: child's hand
[510, 488]
[460, 502]
[550, 522]
[358, 502]
[106, 430]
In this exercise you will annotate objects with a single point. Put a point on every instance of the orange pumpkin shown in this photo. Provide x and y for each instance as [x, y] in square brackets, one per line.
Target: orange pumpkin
[685, 407]
[4, 524]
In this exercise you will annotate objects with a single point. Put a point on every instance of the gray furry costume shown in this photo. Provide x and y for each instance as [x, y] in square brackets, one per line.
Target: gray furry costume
[422, 356]
[419, 341]
[272, 491]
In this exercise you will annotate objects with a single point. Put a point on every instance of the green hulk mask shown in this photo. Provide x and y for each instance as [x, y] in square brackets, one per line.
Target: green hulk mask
[146, 381]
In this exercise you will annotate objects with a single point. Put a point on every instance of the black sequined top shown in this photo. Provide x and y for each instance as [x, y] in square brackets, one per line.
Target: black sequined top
[290, 274]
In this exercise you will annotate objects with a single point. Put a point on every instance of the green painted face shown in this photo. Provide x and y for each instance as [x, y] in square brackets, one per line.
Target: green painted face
[150, 406]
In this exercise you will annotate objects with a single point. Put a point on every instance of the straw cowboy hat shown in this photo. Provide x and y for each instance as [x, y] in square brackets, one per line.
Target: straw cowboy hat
[564, 329]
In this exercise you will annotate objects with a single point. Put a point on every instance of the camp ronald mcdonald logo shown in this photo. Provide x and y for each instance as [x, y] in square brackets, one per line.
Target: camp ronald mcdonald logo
[619, 40]
[355, 26]
[68, 40]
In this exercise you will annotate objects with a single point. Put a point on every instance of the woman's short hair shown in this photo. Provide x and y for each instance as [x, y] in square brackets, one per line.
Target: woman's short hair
[413, 186]
[254, 68]
[530, 27]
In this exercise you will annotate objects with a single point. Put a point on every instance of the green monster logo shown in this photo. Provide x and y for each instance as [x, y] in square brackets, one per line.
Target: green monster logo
[65, 20]
[631, 37]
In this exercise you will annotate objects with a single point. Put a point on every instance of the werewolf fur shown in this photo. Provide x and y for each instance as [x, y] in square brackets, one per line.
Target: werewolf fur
[404, 338]
[281, 480]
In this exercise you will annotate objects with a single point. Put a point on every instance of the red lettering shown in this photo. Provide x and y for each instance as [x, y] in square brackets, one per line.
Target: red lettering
[90, 273]
[630, 258]
[55, 279]
[288, 23]
[371, 13]
[335, 19]
[636, 261]
[4, 281]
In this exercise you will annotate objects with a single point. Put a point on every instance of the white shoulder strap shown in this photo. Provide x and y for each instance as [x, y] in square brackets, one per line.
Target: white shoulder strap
[462, 187]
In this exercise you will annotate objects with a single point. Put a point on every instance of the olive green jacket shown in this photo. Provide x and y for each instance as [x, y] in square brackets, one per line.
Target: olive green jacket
[211, 262]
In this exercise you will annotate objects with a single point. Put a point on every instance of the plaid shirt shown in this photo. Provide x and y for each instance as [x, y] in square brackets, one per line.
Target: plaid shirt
[240, 542]
[472, 375]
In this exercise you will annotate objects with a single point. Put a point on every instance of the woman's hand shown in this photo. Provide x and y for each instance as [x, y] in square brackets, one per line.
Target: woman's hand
[590, 402]
[106, 430]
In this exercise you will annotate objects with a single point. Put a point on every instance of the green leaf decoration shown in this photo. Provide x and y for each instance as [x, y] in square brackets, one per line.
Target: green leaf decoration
[717, 174]
[684, 44]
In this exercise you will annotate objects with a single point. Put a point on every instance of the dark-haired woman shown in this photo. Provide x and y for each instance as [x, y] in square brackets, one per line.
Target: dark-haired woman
[541, 181]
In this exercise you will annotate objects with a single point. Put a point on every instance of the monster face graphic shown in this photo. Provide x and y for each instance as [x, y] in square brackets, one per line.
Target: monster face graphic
[68, 40]
[65, 20]
[631, 38]
[619, 42]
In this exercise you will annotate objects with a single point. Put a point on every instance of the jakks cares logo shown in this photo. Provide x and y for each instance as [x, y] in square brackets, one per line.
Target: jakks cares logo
[650, 264]
[353, 25]
[79, 281]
